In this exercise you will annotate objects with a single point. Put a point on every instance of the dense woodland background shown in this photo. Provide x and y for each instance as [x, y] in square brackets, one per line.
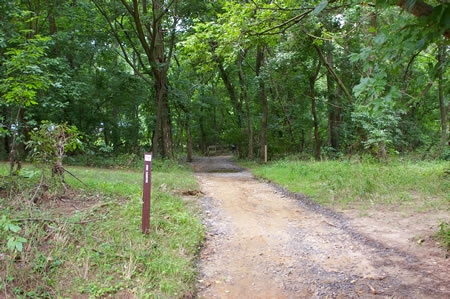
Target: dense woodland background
[322, 79]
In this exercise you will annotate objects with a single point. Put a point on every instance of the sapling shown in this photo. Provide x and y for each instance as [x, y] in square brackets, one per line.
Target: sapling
[49, 144]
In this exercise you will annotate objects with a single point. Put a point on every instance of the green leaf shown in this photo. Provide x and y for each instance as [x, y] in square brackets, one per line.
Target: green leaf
[11, 243]
[380, 39]
[14, 228]
[320, 7]
[19, 246]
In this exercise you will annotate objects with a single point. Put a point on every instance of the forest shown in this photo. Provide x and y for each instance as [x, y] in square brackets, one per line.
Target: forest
[323, 79]
[342, 104]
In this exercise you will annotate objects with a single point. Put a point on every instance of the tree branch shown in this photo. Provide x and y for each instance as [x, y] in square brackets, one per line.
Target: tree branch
[333, 73]
[419, 9]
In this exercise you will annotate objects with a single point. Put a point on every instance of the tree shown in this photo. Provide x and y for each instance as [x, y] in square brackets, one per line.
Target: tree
[149, 29]
[24, 79]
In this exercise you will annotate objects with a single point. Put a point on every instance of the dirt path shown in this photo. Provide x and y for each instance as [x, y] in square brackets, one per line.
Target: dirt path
[264, 244]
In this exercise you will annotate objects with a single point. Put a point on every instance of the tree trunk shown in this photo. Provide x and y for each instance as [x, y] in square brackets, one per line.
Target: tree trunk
[231, 92]
[156, 130]
[263, 98]
[312, 82]
[244, 96]
[333, 116]
[203, 145]
[166, 130]
[333, 73]
[302, 141]
[13, 147]
[188, 141]
[277, 95]
[442, 101]
[179, 142]
[160, 66]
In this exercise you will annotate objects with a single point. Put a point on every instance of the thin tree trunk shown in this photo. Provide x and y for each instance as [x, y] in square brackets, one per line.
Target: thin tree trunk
[442, 101]
[179, 143]
[244, 95]
[167, 130]
[333, 73]
[13, 148]
[302, 141]
[263, 99]
[189, 142]
[283, 108]
[202, 132]
[312, 82]
[332, 113]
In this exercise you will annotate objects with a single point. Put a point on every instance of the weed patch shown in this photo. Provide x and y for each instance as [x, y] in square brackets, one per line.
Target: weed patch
[91, 244]
[443, 235]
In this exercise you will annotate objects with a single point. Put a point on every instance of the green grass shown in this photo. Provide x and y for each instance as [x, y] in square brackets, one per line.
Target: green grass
[422, 184]
[443, 235]
[98, 250]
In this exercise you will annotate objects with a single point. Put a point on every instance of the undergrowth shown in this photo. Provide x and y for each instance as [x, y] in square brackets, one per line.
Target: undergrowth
[116, 161]
[88, 241]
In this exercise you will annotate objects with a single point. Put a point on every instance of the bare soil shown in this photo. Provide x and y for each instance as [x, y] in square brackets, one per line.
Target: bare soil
[264, 242]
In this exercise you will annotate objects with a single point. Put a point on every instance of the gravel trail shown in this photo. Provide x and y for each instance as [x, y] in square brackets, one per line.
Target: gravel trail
[264, 242]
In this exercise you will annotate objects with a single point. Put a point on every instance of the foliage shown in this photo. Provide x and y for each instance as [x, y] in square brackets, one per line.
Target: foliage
[50, 142]
[380, 129]
[444, 235]
[24, 75]
[80, 70]
[9, 231]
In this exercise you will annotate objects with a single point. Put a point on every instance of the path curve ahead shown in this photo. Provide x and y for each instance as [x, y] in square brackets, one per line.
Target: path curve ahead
[263, 244]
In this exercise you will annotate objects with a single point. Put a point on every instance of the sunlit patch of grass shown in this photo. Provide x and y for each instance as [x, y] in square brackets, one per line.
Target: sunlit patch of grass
[420, 184]
[98, 249]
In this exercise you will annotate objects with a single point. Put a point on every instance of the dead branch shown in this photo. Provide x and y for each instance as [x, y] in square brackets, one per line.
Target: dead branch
[53, 221]
[76, 177]
[38, 187]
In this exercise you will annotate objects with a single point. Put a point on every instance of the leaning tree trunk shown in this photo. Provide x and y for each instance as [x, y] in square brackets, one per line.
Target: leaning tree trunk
[231, 92]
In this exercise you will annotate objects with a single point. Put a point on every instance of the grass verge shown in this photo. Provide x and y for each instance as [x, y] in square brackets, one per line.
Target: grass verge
[424, 185]
[89, 242]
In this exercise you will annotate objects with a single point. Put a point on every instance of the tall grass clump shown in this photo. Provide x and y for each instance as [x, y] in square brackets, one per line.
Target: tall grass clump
[443, 235]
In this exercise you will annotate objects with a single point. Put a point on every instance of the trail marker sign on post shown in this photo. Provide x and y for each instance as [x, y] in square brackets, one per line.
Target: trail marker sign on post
[265, 153]
[146, 194]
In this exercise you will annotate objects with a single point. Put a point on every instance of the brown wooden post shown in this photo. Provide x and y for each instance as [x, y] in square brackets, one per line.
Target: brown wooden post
[265, 153]
[146, 194]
